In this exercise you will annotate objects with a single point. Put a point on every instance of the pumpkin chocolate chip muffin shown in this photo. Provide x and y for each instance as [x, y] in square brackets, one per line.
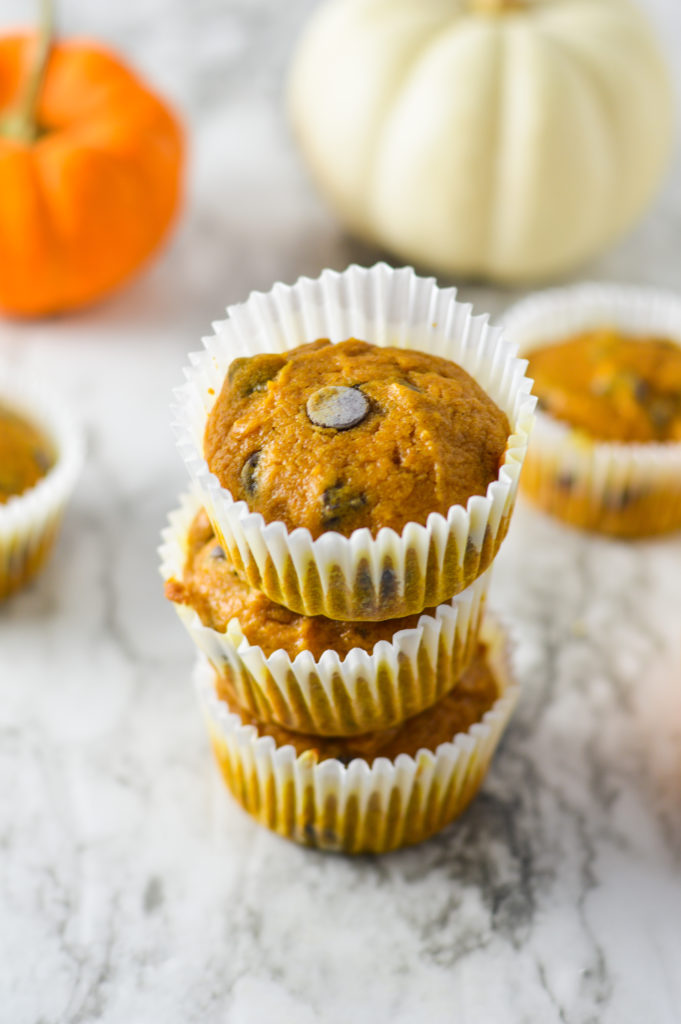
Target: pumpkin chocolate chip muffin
[349, 435]
[372, 792]
[456, 712]
[312, 674]
[612, 386]
[40, 457]
[606, 361]
[26, 455]
[212, 587]
[357, 479]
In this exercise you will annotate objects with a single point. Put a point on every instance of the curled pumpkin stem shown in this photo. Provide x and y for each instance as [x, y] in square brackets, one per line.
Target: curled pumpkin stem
[22, 123]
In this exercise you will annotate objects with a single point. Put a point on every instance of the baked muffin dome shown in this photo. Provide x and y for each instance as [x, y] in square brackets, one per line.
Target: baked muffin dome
[26, 454]
[612, 386]
[212, 587]
[349, 435]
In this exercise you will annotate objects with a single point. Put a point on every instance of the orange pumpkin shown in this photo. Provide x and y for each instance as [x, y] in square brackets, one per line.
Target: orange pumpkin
[90, 174]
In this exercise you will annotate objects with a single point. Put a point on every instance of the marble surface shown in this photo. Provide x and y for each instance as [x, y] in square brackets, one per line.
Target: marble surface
[132, 891]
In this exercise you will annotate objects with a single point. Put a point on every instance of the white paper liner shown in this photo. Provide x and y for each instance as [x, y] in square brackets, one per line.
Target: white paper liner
[621, 488]
[29, 522]
[335, 696]
[358, 807]
[344, 577]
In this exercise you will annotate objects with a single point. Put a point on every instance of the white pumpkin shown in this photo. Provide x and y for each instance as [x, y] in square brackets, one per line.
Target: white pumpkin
[511, 139]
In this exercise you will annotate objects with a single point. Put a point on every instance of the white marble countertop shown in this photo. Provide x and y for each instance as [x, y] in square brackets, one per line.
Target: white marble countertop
[132, 890]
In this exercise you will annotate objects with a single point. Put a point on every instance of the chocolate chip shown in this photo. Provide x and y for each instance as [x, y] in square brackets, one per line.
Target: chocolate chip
[248, 476]
[641, 390]
[250, 375]
[339, 503]
[617, 501]
[661, 411]
[42, 459]
[218, 553]
[337, 407]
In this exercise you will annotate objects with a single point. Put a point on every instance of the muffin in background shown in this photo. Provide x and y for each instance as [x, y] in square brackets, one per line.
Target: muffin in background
[40, 457]
[26, 454]
[611, 386]
[606, 451]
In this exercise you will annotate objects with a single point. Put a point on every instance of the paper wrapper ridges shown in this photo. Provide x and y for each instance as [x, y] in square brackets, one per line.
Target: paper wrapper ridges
[360, 577]
[628, 490]
[29, 522]
[356, 808]
[333, 696]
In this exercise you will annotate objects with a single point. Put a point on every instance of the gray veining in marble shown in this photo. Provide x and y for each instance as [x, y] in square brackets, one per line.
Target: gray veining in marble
[132, 891]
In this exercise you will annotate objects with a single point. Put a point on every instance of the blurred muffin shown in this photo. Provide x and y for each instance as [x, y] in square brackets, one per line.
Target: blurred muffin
[606, 454]
[611, 386]
[26, 454]
[312, 674]
[40, 457]
[372, 793]
[339, 437]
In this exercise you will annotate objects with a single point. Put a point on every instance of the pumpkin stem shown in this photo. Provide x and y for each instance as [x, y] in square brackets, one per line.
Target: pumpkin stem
[22, 124]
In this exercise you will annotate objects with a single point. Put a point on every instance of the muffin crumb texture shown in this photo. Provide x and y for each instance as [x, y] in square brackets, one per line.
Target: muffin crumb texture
[349, 435]
[611, 386]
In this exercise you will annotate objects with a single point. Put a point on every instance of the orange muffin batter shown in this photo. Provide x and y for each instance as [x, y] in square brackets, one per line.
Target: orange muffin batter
[475, 694]
[337, 437]
[213, 589]
[25, 455]
[613, 387]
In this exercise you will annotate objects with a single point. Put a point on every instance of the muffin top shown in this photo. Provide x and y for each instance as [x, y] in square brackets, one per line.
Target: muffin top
[25, 455]
[349, 435]
[211, 586]
[456, 712]
[613, 387]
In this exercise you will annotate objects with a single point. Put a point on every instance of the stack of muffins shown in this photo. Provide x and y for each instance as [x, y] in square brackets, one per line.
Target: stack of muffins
[354, 444]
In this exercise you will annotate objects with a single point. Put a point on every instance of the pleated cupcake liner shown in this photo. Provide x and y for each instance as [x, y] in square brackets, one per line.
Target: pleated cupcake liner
[360, 577]
[29, 522]
[623, 489]
[334, 696]
[359, 807]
